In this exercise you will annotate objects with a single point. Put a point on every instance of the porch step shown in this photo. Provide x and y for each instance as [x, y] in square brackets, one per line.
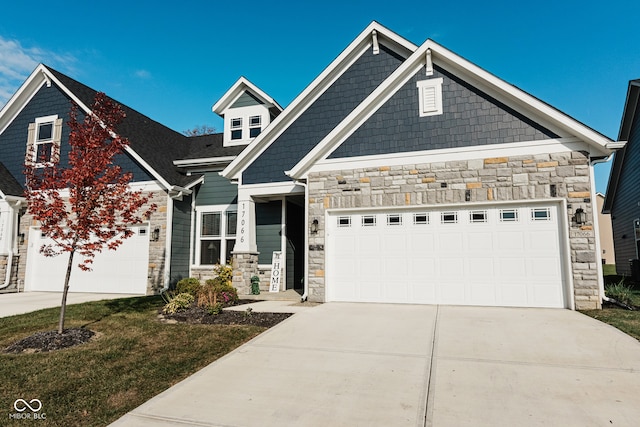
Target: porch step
[288, 295]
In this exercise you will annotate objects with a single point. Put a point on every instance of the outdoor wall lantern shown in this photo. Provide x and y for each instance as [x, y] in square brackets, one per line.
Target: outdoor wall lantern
[581, 216]
[21, 239]
[314, 226]
[155, 236]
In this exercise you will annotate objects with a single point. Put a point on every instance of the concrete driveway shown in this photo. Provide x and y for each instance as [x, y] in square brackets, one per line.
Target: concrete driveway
[26, 302]
[342, 364]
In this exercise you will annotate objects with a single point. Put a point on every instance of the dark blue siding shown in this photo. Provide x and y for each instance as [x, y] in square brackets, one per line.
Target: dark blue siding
[470, 118]
[321, 117]
[216, 190]
[46, 102]
[625, 207]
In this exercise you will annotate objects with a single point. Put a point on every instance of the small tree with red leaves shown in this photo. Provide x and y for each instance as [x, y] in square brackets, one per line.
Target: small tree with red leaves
[87, 205]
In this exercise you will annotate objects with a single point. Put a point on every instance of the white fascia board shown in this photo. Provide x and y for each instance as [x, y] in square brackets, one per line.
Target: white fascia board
[272, 189]
[148, 167]
[313, 91]
[616, 145]
[518, 97]
[200, 180]
[207, 161]
[451, 154]
[236, 90]
[38, 77]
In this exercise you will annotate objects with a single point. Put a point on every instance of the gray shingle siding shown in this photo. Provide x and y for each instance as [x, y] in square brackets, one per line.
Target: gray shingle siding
[46, 102]
[625, 207]
[181, 228]
[322, 116]
[470, 118]
[216, 190]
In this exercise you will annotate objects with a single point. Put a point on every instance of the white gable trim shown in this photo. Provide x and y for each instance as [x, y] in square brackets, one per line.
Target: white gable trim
[513, 97]
[237, 90]
[313, 91]
[451, 154]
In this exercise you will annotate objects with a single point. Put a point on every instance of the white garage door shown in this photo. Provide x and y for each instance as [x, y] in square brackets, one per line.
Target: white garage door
[121, 271]
[508, 256]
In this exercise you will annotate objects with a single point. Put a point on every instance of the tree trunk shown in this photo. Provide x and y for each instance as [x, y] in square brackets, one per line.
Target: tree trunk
[63, 307]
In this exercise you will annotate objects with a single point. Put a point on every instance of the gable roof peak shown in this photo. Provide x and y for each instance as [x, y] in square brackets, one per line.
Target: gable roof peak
[239, 87]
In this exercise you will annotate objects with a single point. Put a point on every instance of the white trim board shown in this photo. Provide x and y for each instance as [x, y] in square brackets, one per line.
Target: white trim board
[452, 154]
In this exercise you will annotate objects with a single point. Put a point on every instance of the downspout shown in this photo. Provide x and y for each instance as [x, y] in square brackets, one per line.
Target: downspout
[596, 225]
[12, 249]
[305, 295]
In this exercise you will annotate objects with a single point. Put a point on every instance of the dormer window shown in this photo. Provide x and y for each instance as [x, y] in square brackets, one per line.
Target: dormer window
[236, 128]
[255, 126]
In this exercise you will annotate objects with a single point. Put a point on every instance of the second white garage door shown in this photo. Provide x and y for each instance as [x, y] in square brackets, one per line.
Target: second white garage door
[507, 256]
[121, 271]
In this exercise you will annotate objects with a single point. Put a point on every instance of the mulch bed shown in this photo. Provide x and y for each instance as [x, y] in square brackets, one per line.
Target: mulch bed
[200, 315]
[49, 341]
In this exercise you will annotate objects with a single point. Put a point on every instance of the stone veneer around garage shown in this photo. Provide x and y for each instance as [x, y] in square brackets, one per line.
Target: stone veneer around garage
[157, 250]
[490, 179]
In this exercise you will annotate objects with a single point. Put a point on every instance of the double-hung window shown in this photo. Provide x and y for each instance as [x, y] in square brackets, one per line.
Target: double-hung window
[44, 141]
[236, 128]
[216, 234]
[255, 126]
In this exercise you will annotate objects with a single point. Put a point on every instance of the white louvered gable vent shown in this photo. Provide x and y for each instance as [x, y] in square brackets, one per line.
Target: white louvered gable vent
[430, 96]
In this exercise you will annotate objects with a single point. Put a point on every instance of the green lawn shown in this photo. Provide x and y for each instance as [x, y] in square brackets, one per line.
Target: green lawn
[135, 358]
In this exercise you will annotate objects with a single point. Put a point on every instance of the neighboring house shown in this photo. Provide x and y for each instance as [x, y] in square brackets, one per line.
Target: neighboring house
[623, 191]
[37, 116]
[605, 231]
[407, 174]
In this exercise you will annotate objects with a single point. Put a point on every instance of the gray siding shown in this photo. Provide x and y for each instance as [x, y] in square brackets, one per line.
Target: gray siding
[47, 101]
[246, 100]
[180, 241]
[470, 118]
[216, 190]
[322, 116]
[268, 227]
[625, 207]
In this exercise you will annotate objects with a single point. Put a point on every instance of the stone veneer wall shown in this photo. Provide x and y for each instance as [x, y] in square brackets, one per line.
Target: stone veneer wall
[487, 180]
[157, 250]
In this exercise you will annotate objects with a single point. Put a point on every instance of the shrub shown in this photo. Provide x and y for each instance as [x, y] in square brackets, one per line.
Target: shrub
[178, 303]
[620, 292]
[190, 285]
[218, 290]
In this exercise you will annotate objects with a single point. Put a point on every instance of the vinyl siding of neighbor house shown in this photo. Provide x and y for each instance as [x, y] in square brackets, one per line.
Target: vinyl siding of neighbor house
[181, 228]
[625, 207]
[268, 226]
[216, 190]
[46, 102]
[349, 90]
[470, 117]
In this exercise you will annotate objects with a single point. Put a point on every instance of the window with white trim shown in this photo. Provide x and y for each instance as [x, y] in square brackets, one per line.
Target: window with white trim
[43, 141]
[368, 220]
[430, 97]
[449, 217]
[421, 218]
[216, 234]
[508, 215]
[236, 128]
[255, 126]
[478, 216]
[541, 214]
[394, 219]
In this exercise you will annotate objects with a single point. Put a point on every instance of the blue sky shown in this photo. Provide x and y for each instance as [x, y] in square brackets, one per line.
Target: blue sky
[173, 60]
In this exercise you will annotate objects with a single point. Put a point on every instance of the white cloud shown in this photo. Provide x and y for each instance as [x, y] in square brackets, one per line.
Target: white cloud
[142, 74]
[17, 62]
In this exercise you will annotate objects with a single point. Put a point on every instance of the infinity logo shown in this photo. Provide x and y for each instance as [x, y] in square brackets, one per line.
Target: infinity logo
[26, 405]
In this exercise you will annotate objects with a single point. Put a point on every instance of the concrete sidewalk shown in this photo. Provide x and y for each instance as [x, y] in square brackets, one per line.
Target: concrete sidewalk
[27, 302]
[342, 364]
